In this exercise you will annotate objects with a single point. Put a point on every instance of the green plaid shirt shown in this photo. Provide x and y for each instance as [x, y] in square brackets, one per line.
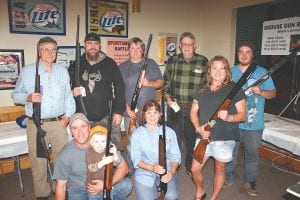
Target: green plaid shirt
[183, 78]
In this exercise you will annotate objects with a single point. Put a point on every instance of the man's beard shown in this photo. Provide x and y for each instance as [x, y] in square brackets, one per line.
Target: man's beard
[92, 57]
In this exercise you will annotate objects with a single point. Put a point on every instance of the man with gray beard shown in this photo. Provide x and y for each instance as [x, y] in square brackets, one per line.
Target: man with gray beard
[100, 80]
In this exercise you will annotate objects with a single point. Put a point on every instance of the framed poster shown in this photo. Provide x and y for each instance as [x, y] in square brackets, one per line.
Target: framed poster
[66, 54]
[117, 49]
[107, 18]
[167, 45]
[46, 17]
[11, 62]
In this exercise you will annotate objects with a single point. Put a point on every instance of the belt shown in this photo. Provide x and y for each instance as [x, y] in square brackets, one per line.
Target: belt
[185, 104]
[51, 119]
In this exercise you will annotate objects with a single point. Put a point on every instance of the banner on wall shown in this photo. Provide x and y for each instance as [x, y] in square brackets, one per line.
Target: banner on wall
[167, 45]
[117, 49]
[280, 36]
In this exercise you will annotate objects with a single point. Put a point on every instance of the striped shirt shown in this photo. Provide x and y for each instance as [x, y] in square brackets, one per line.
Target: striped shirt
[183, 77]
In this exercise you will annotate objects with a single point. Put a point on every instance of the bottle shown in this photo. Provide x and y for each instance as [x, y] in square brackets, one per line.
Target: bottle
[175, 106]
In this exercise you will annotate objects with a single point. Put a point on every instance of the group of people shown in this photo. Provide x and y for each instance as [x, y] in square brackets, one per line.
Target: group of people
[194, 89]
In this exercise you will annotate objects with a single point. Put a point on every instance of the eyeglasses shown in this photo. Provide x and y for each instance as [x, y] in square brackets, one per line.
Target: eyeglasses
[49, 50]
[187, 45]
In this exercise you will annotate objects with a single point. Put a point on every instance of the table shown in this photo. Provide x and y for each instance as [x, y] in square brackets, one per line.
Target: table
[294, 189]
[13, 143]
[282, 132]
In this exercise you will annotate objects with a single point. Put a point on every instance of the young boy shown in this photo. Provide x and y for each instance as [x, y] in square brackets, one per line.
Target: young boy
[96, 160]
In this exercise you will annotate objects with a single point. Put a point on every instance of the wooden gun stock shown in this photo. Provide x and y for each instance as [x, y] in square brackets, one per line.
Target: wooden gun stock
[124, 136]
[201, 147]
[108, 181]
[199, 152]
[162, 160]
[132, 126]
[163, 187]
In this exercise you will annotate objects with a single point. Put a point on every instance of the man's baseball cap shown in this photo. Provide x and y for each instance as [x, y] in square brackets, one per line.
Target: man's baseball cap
[78, 116]
[92, 37]
[98, 130]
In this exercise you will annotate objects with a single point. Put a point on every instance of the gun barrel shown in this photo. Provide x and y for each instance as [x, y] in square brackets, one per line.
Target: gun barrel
[80, 106]
[41, 147]
[137, 89]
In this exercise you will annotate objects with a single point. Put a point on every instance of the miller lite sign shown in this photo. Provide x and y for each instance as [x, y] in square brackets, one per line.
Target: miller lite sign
[37, 17]
[107, 18]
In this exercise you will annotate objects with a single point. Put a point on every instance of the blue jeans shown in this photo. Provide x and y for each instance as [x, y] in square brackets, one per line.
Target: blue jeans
[149, 193]
[119, 191]
[251, 139]
[77, 194]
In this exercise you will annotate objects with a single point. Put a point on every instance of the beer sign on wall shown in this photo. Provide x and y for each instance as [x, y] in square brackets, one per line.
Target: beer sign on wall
[107, 18]
[37, 17]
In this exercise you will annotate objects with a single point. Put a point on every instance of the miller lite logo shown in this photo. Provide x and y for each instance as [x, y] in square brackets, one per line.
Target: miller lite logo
[113, 21]
[45, 15]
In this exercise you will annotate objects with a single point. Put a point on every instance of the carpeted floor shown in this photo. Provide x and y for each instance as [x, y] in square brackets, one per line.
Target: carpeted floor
[272, 184]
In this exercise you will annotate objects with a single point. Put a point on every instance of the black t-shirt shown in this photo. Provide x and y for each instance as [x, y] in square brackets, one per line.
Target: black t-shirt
[97, 80]
[209, 102]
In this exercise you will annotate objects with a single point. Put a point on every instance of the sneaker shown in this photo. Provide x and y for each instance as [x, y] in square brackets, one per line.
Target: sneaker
[227, 184]
[250, 188]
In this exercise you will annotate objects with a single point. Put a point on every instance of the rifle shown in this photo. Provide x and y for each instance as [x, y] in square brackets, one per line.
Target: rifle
[107, 186]
[201, 147]
[138, 87]
[163, 187]
[142, 73]
[80, 107]
[41, 147]
[267, 75]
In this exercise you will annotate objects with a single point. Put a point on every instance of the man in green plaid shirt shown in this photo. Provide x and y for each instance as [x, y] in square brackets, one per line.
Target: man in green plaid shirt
[183, 75]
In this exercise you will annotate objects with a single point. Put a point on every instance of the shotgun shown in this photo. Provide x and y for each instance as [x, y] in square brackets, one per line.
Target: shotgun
[138, 86]
[108, 173]
[80, 107]
[201, 147]
[163, 187]
[262, 79]
[41, 147]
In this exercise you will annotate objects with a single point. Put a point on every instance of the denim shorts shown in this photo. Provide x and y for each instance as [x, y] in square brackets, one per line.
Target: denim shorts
[219, 150]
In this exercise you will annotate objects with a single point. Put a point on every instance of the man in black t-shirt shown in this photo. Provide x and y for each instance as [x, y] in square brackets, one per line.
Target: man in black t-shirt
[101, 81]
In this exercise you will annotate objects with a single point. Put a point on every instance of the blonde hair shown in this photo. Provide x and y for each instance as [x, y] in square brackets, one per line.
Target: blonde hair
[207, 82]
